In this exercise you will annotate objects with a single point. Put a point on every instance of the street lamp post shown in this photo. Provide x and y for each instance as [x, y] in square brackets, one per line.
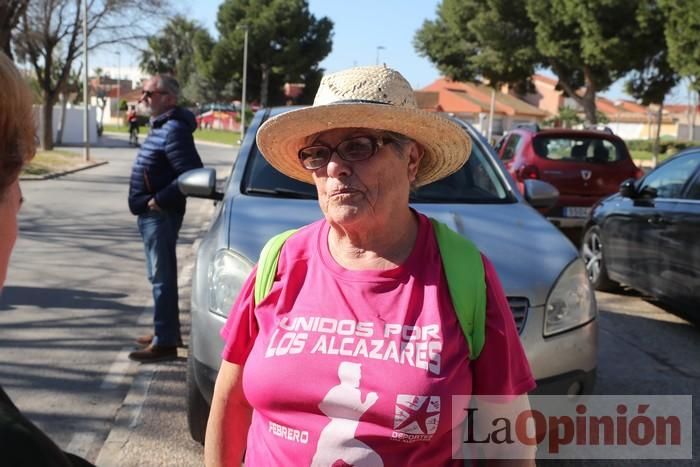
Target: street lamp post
[379, 47]
[119, 88]
[86, 119]
[245, 78]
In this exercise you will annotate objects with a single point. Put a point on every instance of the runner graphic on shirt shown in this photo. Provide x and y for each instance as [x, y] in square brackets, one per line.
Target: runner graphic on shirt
[344, 406]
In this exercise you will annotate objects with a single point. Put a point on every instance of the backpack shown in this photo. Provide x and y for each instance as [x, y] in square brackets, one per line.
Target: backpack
[463, 267]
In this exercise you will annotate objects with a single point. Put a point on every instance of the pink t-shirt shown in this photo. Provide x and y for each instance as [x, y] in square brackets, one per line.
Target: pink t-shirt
[350, 367]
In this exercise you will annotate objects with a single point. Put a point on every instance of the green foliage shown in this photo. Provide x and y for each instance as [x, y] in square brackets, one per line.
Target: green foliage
[652, 78]
[586, 43]
[123, 106]
[567, 118]
[181, 48]
[601, 118]
[665, 146]
[683, 36]
[473, 39]
[285, 44]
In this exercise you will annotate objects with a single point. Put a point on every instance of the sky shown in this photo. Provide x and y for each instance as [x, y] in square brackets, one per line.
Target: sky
[365, 32]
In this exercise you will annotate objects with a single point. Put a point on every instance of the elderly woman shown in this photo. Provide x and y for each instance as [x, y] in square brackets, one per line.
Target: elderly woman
[21, 442]
[375, 384]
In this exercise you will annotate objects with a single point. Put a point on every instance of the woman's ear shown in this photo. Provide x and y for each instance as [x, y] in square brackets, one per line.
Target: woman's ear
[415, 155]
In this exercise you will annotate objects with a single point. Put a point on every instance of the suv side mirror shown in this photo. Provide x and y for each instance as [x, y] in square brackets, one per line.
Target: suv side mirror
[540, 194]
[199, 183]
[628, 188]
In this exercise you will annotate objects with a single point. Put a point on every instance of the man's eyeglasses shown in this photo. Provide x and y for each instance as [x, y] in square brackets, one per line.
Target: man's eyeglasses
[147, 94]
[357, 148]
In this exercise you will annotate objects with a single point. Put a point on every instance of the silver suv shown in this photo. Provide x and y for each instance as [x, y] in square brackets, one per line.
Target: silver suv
[546, 283]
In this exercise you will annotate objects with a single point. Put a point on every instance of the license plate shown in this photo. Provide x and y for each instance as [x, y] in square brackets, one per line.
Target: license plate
[576, 212]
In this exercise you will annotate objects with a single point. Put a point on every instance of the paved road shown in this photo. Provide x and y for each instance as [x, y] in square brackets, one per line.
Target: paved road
[77, 295]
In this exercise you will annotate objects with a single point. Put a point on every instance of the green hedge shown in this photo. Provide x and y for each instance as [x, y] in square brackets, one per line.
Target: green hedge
[665, 146]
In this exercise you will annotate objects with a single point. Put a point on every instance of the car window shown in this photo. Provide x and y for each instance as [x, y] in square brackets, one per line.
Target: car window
[694, 189]
[509, 151]
[668, 180]
[578, 149]
[476, 182]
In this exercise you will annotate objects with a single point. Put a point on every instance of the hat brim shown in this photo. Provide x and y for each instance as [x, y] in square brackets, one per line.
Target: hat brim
[447, 146]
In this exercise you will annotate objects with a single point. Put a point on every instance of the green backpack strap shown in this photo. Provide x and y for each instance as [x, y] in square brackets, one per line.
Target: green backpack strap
[267, 265]
[464, 270]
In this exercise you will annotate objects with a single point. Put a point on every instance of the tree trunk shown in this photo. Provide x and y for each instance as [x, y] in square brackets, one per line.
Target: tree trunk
[589, 109]
[47, 128]
[264, 83]
[587, 101]
[657, 139]
[62, 119]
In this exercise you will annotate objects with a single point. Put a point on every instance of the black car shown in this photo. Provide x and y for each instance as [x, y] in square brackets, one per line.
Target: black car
[647, 235]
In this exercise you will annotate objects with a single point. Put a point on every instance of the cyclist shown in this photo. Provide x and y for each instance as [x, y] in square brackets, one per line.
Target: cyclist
[133, 120]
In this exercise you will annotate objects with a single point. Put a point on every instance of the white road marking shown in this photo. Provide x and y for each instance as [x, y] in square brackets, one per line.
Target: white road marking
[118, 370]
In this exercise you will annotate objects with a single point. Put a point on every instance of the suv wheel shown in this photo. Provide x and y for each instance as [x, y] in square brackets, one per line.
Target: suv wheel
[592, 254]
[197, 407]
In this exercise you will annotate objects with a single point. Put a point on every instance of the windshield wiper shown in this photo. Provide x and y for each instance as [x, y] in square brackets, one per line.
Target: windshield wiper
[285, 192]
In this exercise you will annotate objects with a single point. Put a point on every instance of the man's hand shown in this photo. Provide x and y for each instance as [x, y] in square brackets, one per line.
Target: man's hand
[152, 205]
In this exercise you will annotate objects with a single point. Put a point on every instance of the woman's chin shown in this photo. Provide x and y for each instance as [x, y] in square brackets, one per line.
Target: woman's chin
[345, 215]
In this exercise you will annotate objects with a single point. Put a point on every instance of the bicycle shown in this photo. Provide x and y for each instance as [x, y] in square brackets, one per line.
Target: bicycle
[133, 134]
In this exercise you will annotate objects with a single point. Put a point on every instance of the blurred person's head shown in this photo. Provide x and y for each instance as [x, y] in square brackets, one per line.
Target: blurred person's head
[161, 94]
[17, 147]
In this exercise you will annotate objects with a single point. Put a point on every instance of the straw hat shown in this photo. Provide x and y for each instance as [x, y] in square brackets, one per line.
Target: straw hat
[374, 97]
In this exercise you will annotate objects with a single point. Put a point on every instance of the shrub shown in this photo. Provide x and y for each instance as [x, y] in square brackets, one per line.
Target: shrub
[665, 146]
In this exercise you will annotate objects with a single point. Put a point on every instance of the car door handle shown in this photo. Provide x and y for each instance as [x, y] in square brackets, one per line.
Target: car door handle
[658, 220]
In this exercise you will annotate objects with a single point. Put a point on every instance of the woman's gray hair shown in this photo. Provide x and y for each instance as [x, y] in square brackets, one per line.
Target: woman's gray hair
[169, 84]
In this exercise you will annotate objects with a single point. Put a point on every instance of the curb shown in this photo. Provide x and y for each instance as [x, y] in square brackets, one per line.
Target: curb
[60, 174]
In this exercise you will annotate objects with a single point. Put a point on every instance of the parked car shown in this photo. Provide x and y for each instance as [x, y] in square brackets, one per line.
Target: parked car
[646, 236]
[546, 284]
[584, 165]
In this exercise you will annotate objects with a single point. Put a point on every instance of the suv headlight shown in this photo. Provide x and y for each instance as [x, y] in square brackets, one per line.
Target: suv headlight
[571, 302]
[226, 276]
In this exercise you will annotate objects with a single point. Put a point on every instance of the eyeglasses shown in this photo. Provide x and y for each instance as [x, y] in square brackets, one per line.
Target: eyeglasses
[358, 148]
[147, 94]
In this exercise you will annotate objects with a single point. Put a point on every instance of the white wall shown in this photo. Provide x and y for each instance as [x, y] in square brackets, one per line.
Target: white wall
[628, 130]
[684, 132]
[73, 126]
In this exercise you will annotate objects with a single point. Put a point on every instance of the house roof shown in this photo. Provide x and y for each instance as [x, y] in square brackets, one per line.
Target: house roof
[458, 97]
[133, 95]
[680, 108]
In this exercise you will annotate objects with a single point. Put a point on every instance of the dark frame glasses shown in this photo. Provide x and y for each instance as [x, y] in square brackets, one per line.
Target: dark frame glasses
[354, 149]
[147, 94]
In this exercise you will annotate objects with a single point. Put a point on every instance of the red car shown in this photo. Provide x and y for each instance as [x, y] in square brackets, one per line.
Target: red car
[584, 165]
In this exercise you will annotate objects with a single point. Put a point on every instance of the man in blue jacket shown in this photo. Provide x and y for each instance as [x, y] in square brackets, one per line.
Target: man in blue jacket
[154, 197]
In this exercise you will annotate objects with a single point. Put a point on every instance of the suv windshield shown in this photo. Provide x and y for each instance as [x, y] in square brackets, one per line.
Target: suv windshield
[476, 182]
[578, 149]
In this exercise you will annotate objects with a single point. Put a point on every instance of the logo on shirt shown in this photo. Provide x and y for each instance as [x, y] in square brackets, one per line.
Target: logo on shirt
[416, 418]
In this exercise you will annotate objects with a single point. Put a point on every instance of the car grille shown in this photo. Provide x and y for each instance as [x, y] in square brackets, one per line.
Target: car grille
[519, 307]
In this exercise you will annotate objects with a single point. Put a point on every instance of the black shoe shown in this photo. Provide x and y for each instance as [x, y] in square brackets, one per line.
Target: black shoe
[154, 353]
[148, 338]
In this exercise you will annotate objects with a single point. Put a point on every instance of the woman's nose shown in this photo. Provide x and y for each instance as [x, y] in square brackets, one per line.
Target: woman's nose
[338, 167]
